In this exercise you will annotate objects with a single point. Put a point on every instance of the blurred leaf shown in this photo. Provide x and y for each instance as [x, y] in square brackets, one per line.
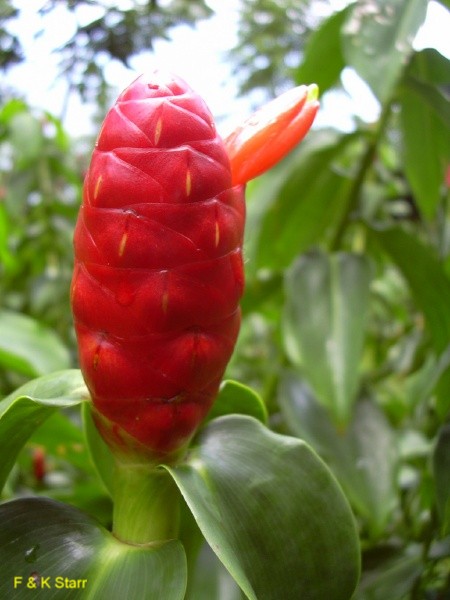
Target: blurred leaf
[327, 299]
[271, 511]
[364, 458]
[428, 282]
[432, 98]
[426, 150]
[393, 578]
[378, 38]
[26, 136]
[310, 199]
[211, 580]
[236, 398]
[28, 347]
[323, 60]
[40, 538]
[65, 440]
[441, 468]
[23, 411]
[430, 66]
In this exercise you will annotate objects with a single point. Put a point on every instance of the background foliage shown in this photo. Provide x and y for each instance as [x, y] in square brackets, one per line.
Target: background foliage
[346, 330]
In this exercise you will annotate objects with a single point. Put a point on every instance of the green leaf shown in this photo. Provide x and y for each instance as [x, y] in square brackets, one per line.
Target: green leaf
[425, 122]
[237, 398]
[210, 579]
[99, 451]
[323, 59]
[271, 511]
[392, 578]
[378, 38]
[310, 199]
[432, 98]
[327, 299]
[26, 346]
[429, 66]
[428, 282]
[364, 458]
[441, 468]
[23, 411]
[26, 136]
[426, 149]
[47, 542]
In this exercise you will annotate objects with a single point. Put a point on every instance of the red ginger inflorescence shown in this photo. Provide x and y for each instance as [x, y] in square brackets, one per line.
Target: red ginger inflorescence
[158, 263]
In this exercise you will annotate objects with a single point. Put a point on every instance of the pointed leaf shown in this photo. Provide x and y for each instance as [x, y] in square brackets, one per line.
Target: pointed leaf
[378, 38]
[363, 458]
[46, 542]
[327, 299]
[271, 511]
[23, 411]
[426, 277]
[28, 347]
[323, 60]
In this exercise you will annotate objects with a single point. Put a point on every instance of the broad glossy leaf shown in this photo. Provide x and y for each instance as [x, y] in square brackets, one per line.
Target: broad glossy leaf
[44, 541]
[378, 38]
[310, 200]
[237, 398]
[441, 467]
[327, 299]
[271, 511]
[363, 458]
[323, 60]
[426, 277]
[26, 346]
[23, 411]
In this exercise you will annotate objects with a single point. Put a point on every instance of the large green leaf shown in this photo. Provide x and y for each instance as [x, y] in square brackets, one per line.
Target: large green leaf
[378, 38]
[43, 542]
[309, 200]
[364, 458]
[26, 346]
[426, 277]
[23, 411]
[327, 299]
[271, 511]
[441, 467]
[323, 60]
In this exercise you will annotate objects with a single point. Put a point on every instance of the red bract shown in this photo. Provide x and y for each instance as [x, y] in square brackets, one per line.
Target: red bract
[158, 266]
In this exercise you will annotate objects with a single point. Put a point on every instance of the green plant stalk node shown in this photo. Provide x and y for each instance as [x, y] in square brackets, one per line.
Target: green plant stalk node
[146, 504]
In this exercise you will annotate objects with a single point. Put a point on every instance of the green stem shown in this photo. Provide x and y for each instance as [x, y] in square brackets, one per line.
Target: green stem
[366, 162]
[146, 504]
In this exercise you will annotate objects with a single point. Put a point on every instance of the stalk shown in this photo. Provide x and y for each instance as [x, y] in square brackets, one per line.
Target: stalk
[146, 504]
[365, 164]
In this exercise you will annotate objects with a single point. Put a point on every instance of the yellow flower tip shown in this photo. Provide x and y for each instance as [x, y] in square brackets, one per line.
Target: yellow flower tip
[313, 93]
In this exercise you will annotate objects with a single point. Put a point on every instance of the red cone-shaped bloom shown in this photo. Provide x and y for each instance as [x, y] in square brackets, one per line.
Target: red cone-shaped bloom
[158, 263]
